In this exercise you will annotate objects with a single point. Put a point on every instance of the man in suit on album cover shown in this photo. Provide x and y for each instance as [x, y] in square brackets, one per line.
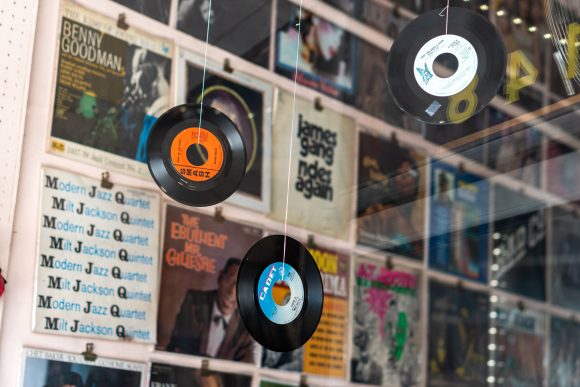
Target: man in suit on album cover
[209, 324]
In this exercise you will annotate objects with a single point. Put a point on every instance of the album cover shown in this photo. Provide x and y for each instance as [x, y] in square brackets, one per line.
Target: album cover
[164, 375]
[564, 353]
[517, 152]
[270, 383]
[519, 244]
[384, 18]
[347, 6]
[459, 222]
[565, 258]
[241, 27]
[391, 197]
[321, 175]
[247, 101]
[198, 312]
[57, 369]
[325, 353]
[98, 259]
[327, 57]
[463, 138]
[521, 333]
[458, 337]
[111, 85]
[156, 9]
[386, 326]
[563, 171]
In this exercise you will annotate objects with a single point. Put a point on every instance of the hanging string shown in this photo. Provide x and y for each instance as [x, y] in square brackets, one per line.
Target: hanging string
[446, 11]
[291, 137]
[204, 68]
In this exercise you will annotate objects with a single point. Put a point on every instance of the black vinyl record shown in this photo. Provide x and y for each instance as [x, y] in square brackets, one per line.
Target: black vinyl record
[472, 61]
[196, 166]
[277, 327]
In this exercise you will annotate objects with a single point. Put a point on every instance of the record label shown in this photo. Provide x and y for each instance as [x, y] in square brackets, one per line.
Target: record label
[197, 160]
[272, 275]
[466, 57]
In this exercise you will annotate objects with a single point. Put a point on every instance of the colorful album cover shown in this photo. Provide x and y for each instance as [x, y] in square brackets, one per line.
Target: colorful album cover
[564, 353]
[327, 57]
[198, 310]
[565, 258]
[459, 222]
[521, 335]
[164, 375]
[458, 337]
[325, 353]
[241, 27]
[156, 9]
[98, 259]
[563, 171]
[321, 176]
[245, 100]
[517, 152]
[57, 369]
[386, 334]
[111, 85]
[519, 244]
[391, 197]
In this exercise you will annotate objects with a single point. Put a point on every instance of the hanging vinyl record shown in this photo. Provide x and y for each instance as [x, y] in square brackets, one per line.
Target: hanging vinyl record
[280, 302]
[444, 71]
[197, 166]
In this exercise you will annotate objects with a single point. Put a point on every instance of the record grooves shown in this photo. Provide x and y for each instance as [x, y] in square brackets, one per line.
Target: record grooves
[276, 327]
[196, 166]
[419, 88]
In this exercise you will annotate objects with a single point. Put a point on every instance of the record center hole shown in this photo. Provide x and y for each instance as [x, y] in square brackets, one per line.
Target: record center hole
[281, 293]
[445, 65]
[196, 154]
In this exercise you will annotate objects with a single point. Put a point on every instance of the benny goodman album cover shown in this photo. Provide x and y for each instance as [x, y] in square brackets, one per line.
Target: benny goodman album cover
[247, 102]
[385, 329]
[322, 172]
[111, 85]
[57, 369]
[198, 310]
[391, 191]
[325, 353]
[519, 244]
[459, 222]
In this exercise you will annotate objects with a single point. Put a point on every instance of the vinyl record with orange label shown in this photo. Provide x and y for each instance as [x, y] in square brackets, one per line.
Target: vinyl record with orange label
[196, 157]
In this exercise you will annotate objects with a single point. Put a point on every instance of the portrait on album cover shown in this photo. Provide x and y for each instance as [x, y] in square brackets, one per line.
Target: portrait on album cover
[156, 9]
[198, 310]
[241, 27]
[164, 375]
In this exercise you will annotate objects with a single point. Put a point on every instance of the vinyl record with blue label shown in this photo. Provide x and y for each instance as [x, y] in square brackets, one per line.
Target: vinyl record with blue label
[197, 165]
[444, 71]
[280, 302]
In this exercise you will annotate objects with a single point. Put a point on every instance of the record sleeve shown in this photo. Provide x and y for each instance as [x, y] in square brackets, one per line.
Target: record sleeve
[458, 337]
[156, 9]
[325, 353]
[459, 222]
[50, 368]
[201, 258]
[241, 27]
[327, 61]
[321, 176]
[563, 171]
[271, 383]
[97, 265]
[110, 87]
[565, 242]
[519, 244]
[347, 6]
[564, 353]
[522, 336]
[391, 197]
[248, 102]
[386, 335]
[165, 375]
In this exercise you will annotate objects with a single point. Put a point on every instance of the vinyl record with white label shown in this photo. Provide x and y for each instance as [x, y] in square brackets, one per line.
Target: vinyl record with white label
[280, 302]
[444, 71]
